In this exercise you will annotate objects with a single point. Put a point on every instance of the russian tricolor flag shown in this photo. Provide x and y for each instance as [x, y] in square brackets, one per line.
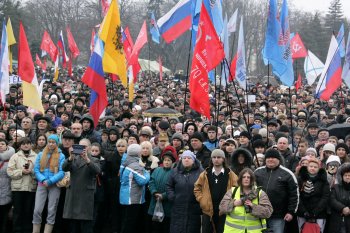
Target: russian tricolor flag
[62, 46]
[330, 79]
[177, 21]
[94, 78]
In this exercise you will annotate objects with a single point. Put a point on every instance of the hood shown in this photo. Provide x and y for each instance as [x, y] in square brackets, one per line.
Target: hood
[321, 175]
[343, 167]
[6, 155]
[195, 166]
[109, 118]
[89, 118]
[248, 158]
[129, 160]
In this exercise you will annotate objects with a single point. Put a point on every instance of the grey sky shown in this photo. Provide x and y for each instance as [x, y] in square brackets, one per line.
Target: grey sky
[321, 5]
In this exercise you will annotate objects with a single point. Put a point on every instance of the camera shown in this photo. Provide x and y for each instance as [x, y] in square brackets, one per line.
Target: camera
[26, 166]
[78, 149]
[250, 196]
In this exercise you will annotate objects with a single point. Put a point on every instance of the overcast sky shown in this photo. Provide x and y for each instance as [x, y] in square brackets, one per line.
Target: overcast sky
[321, 5]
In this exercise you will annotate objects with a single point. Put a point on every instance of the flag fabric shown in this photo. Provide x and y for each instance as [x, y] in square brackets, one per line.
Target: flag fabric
[160, 69]
[313, 67]
[154, 30]
[297, 47]
[233, 68]
[131, 86]
[298, 83]
[70, 66]
[5, 65]
[113, 60]
[225, 69]
[128, 48]
[232, 23]
[214, 8]
[208, 53]
[56, 68]
[196, 10]
[48, 46]
[287, 77]
[38, 61]
[94, 78]
[139, 43]
[105, 7]
[26, 71]
[330, 79]
[341, 40]
[241, 72]
[11, 40]
[62, 47]
[92, 41]
[71, 44]
[176, 22]
[346, 68]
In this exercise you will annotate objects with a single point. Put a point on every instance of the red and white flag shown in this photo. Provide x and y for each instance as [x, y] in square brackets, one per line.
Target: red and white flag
[139, 43]
[208, 53]
[48, 46]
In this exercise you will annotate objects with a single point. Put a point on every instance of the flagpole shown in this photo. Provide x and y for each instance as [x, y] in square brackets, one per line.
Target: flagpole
[291, 118]
[216, 102]
[187, 71]
[227, 99]
[268, 95]
[239, 101]
[233, 45]
[218, 110]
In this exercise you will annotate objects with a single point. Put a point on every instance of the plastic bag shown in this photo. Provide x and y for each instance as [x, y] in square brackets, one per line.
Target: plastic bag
[158, 214]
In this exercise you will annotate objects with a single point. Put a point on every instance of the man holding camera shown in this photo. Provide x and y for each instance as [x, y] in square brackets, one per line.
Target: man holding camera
[79, 202]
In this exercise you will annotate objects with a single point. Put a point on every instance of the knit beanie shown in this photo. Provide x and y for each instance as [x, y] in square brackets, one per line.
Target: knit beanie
[177, 136]
[20, 133]
[311, 150]
[272, 153]
[218, 153]
[134, 135]
[333, 158]
[188, 153]
[329, 147]
[197, 135]
[342, 145]
[245, 134]
[134, 150]
[54, 137]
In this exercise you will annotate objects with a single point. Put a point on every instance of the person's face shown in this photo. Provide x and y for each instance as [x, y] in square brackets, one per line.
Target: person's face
[144, 137]
[282, 144]
[187, 161]
[243, 140]
[26, 123]
[51, 144]
[272, 163]
[133, 128]
[2, 135]
[145, 151]
[313, 168]
[230, 148]
[313, 131]
[259, 150]
[261, 162]
[217, 160]
[304, 163]
[327, 153]
[132, 140]
[302, 148]
[42, 141]
[162, 144]
[323, 135]
[64, 117]
[121, 148]
[246, 180]
[341, 152]
[3, 146]
[333, 141]
[76, 129]
[346, 177]
[86, 125]
[212, 135]
[95, 151]
[240, 159]
[301, 123]
[26, 146]
[42, 124]
[109, 123]
[190, 130]
[67, 142]
[113, 137]
[167, 162]
[20, 114]
[176, 143]
[196, 144]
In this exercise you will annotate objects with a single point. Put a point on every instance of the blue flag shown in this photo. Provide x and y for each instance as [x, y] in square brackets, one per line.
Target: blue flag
[214, 8]
[153, 29]
[341, 40]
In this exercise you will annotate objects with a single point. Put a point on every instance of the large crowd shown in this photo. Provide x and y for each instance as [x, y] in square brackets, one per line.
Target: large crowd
[277, 164]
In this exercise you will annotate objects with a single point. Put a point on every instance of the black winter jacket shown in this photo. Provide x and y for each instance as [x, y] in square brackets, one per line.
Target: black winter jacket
[281, 186]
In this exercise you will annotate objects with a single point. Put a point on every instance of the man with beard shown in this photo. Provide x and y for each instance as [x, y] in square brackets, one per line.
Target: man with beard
[77, 130]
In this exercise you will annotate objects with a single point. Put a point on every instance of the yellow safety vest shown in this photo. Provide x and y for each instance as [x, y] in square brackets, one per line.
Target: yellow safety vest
[238, 221]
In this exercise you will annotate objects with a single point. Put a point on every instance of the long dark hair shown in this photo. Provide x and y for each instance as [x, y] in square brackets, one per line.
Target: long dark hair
[252, 177]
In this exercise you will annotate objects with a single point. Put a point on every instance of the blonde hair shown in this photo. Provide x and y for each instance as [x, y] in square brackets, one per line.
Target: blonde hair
[51, 162]
[121, 141]
[148, 145]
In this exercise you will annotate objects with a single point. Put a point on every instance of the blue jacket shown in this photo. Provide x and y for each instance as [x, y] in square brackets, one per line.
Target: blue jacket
[49, 176]
[133, 181]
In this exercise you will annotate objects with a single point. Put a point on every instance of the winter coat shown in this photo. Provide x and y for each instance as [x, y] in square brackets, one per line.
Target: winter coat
[108, 149]
[112, 176]
[202, 190]
[157, 184]
[281, 186]
[340, 198]
[79, 202]
[185, 214]
[20, 181]
[47, 175]
[290, 160]
[150, 164]
[90, 134]
[5, 181]
[204, 155]
[133, 181]
[314, 202]
[211, 145]
[248, 160]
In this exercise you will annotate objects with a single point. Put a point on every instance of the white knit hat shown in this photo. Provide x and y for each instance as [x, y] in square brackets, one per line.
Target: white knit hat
[329, 147]
[333, 158]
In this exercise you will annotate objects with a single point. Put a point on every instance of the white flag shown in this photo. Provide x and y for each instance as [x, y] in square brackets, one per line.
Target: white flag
[225, 69]
[240, 67]
[346, 69]
[5, 65]
[231, 25]
[313, 67]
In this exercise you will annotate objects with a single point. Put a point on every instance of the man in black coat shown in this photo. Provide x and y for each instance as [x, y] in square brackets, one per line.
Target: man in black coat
[200, 150]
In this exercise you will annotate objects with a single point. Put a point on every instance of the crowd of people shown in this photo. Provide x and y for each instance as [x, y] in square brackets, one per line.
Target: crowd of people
[272, 165]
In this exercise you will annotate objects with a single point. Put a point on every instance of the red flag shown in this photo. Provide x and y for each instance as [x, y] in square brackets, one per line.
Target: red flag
[128, 44]
[208, 53]
[44, 64]
[297, 47]
[71, 44]
[69, 66]
[298, 83]
[92, 42]
[160, 69]
[140, 42]
[105, 7]
[233, 69]
[37, 61]
[48, 46]
[113, 77]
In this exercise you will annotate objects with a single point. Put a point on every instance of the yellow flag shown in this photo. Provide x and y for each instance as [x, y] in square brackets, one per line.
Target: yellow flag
[113, 60]
[56, 72]
[31, 96]
[11, 39]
